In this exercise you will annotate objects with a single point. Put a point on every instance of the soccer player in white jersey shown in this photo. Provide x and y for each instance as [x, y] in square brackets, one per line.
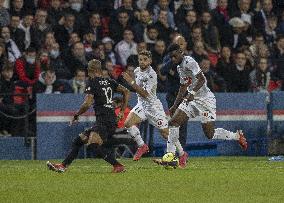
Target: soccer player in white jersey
[149, 107]
[199, 100]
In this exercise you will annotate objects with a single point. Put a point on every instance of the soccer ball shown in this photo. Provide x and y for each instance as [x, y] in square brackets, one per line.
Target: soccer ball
[170, 161]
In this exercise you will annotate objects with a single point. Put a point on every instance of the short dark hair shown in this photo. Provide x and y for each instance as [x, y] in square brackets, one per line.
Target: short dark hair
[80, 70]
[279, 37]
[173, 47]
[30, 49]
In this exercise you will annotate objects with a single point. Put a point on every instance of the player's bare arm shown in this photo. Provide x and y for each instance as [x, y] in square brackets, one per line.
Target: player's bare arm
[89, 100]
[180, 97]
[139, 90]
[200, 82]
[126, 95]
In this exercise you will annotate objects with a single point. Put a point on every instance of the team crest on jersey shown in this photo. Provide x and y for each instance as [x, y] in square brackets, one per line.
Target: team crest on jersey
[159, 122]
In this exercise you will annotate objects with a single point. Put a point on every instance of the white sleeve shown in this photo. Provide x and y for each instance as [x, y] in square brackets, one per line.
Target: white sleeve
[193, 67]
[150, 83]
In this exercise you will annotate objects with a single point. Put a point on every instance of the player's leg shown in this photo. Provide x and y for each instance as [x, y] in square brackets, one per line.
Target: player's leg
[96, 143]
[77, 143]
[208, 116]
[180, 117]
[136, 116]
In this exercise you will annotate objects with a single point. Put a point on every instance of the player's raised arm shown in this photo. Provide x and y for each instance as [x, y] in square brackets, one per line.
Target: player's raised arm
[89, 100]
[139, 90]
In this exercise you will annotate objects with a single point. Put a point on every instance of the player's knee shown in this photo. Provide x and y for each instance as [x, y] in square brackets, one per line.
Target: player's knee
[174, 123]
[164, 133]
[127, 125]
[78, 142]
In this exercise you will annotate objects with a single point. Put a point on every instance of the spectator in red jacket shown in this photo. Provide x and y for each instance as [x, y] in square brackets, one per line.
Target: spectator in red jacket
[27, 69]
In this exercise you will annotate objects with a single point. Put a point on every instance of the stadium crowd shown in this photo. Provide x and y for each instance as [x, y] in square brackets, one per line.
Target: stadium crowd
[45, 45]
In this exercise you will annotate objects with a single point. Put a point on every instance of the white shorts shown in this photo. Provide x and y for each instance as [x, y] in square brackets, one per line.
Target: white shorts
[205, 108]
[155, 115]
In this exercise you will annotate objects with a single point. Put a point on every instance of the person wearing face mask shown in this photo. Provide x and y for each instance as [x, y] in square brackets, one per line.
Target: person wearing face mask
[81, 14]
[78, 83]
[27, 69]
[57, 63]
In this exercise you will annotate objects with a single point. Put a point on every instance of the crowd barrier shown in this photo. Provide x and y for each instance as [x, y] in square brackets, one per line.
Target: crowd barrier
[259, 115]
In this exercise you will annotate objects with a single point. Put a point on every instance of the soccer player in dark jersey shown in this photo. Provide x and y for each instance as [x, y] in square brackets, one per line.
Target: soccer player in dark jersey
[99, 93]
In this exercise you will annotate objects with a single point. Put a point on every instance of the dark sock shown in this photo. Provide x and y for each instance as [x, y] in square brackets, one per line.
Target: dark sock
[76, 145]
[106, 154]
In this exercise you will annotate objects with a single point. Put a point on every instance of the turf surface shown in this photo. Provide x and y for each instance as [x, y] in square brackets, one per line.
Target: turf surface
[222, 179]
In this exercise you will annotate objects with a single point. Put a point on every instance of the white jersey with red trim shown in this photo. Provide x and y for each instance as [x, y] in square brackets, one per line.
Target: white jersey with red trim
[188, 70]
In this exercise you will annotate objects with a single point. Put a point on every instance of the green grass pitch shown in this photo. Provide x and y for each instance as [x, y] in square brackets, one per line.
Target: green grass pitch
[218, 179]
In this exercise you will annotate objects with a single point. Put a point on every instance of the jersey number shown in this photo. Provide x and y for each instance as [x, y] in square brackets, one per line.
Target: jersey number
[108, 93]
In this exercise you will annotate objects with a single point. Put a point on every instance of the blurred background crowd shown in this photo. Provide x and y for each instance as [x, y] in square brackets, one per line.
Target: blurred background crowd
[45, 45]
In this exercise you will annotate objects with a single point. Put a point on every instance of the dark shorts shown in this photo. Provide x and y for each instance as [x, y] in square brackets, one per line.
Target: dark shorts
[104, 126]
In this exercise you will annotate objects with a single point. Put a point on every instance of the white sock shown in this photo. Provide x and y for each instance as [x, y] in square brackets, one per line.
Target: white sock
[173, 133]
[135, 134]
[223, 134]
[179, 148]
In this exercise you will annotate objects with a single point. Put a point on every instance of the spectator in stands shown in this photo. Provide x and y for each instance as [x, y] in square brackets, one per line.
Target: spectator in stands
[185, 27]
[126, 47]
[95, 26]
[233, 35]
[239, 77]
[214, 82]
[98, 52]
[168, 16]
[250, 59]
[260, 21]
[131, 8]
[158, 54]
[39, 29]
[270, 31]
[142, 46]
[224, 64]
[163, 27]
[243, 8]
[199, 53]
[55, 13]
[27, 69]
[260, 77]
[3, 55]
[180, 40]
[195, 36]
[187, 5]
[220, 14]
[258, 40]
[119, 25]
[48, 84]
[248, 29]
[81, 14]
[17, 8]
[63, 31]
[114, 71]
[88, 40]
[57, 63]
[278, 58]
[210, 33]
[140, 28]
[108, 48]
[25, 25]
[48, 41]
[12, 49]
[77, 58]
[6, 101]
[4, 15]
[78, 83]
[43, 60]
[151, 36]
[16, 33]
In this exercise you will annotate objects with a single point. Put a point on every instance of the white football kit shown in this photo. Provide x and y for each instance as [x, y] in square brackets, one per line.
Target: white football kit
[150, 108]
[204, 103]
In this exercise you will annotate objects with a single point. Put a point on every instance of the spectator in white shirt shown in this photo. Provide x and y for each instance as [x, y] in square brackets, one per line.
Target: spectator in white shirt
[12, 49]
[126, 47]
[26, 26]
